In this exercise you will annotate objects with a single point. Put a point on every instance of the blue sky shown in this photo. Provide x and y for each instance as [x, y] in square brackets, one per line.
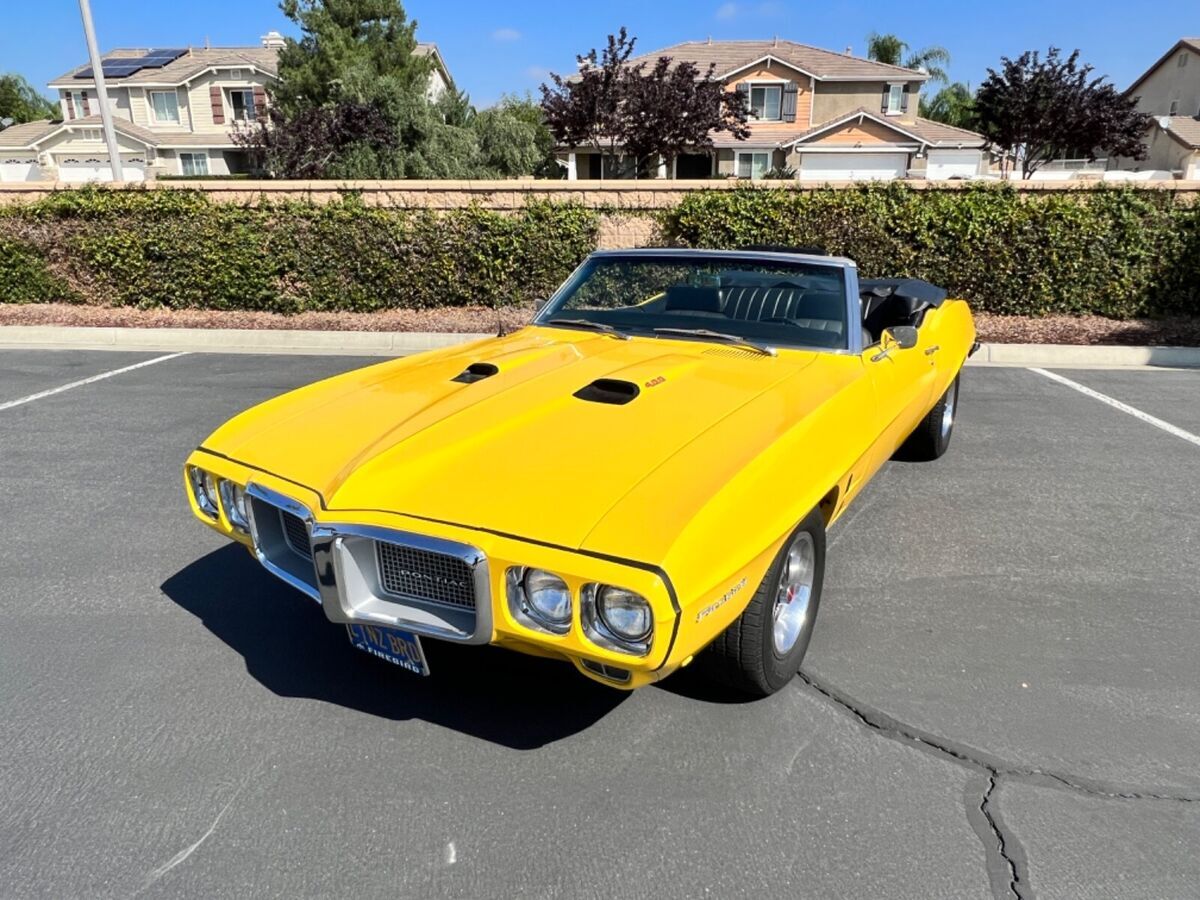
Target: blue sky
[494, 48]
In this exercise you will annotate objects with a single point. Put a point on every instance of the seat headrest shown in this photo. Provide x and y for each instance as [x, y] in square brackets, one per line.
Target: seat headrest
[694, 299]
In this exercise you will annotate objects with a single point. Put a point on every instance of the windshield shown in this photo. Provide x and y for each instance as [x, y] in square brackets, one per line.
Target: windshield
[764, 301]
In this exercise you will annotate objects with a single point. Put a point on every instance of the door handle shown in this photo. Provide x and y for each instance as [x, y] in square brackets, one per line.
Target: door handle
[932, 350]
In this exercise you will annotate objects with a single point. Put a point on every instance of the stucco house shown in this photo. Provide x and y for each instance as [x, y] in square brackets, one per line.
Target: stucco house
[174, 112]
[1170, 92]
[830, 116]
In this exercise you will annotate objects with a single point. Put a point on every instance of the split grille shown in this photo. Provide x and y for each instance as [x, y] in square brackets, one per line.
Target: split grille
[295, 532]
[419, 574]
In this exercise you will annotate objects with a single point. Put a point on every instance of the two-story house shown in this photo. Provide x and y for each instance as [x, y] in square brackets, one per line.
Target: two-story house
[830, 116]
[1170, 92]
[174, 112]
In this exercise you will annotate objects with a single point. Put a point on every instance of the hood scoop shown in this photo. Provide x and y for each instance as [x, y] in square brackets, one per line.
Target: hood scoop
[609, 390]
[476, 372]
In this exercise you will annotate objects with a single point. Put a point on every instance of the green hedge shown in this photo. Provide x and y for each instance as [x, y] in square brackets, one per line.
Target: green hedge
[1117, 252]
[175, 248]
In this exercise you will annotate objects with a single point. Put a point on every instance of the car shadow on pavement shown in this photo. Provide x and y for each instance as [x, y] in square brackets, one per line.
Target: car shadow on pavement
[518, 701]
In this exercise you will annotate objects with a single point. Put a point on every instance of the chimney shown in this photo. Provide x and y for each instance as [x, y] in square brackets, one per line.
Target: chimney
[272, 40]
[849, 50]
[776, 44]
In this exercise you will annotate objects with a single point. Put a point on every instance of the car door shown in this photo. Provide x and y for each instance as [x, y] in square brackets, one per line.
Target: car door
[903, 379]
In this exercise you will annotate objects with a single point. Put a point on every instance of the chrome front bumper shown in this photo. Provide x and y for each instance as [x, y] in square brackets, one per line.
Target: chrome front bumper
[342, 572]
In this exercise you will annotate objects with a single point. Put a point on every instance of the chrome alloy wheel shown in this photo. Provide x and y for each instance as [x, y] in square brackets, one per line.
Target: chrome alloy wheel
[795, 592]
[948, 411]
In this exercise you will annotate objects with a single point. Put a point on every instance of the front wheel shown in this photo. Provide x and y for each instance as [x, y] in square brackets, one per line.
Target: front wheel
[762, 649]
[930, 439]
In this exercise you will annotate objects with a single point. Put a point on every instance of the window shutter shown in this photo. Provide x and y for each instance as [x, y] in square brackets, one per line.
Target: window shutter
[70, 107]
[218, 106]
[744, 90]
[887, 90]
[904, 99]
[87, 104]
[789, 102]
[260, 101]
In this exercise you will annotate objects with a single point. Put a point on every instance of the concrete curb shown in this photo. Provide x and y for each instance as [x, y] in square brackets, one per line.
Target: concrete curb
[388, 343]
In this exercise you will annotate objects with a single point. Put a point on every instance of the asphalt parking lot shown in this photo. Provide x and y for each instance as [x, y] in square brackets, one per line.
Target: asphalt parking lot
[1002, 697]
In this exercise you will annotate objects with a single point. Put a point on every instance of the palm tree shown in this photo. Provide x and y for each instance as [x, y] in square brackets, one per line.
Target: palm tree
[888, 48]
[952, 105]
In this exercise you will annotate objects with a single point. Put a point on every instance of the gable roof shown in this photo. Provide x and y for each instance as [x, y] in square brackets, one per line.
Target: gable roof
[1184, 129]
[1187, 43]
[431, 50]
[923, 131]
[31, 136]
[24, 136]
[179, 71]
[730, 57]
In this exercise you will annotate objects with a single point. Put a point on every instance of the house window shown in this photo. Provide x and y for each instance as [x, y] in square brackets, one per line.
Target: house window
[895, 104]
[91, 135]
[1174, 108]
[166, 107]
[235, 75]
[79, 101]
[1183, 55]
[242, 104]
[753, 164]
[193, 163]
[765, 101]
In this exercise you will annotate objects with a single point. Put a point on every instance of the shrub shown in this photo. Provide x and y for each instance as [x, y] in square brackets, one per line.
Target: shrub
[175, 248]
[1118, 252]
[25, 277]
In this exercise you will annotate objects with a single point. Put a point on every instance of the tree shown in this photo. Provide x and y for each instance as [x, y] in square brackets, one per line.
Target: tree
[889, 49]
[20, 102]
[1043, 109]
[952, 105]
[585, 110]
[514, 140]
[356, 50]
[643, 115]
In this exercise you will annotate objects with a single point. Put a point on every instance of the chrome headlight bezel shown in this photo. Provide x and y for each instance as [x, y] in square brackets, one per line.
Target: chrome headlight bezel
[204, 491]
[599, 629]
[234, 501]
[526, 610]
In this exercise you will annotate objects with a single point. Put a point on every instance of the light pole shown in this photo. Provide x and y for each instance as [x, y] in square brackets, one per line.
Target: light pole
[110, 135]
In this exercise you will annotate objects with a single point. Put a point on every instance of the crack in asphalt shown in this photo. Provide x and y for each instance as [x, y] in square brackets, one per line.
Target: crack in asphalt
[1008, 869]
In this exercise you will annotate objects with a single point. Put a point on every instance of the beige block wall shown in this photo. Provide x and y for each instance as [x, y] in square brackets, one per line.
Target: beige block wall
[1170, 81]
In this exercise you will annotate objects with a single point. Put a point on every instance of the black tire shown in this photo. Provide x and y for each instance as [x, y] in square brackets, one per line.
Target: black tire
[930, 439]
[744, 656]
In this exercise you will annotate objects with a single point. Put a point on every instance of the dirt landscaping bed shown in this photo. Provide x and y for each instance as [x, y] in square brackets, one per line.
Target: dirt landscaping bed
[1182, 331]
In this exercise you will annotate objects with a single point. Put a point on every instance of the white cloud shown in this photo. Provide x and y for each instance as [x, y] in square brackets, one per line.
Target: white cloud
[537, 73]
[506, 35]
[727, 11]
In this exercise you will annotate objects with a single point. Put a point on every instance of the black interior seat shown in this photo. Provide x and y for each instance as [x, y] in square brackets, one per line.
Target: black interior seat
[696, 301]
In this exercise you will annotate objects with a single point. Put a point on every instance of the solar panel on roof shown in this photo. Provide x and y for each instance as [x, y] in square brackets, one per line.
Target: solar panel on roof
[84, 73]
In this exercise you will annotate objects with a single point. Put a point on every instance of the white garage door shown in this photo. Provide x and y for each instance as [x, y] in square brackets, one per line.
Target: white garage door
[853, 166]
[953, 164]
[96, 168]
[19, 170]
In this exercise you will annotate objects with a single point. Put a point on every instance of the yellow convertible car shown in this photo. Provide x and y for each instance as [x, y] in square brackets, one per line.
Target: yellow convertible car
[640, 479]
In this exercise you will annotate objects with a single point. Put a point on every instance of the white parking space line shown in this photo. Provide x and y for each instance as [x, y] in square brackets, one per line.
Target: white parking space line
[1123, 407]
[81, 382]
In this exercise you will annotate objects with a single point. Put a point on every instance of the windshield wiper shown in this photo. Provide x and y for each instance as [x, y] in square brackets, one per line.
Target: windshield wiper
[594, 326]
[718, 336]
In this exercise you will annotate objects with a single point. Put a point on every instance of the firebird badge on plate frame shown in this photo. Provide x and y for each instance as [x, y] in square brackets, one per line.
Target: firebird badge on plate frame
[400, 648]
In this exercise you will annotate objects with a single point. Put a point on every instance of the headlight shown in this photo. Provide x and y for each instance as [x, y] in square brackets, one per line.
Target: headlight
[233, 499]
[617, 618]
[204, 490]
[539, 598]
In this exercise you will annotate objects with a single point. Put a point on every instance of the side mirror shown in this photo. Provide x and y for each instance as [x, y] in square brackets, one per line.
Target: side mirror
[902, 336]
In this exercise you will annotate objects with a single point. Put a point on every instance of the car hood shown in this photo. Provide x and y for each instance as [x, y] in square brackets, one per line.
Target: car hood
[516, 452]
